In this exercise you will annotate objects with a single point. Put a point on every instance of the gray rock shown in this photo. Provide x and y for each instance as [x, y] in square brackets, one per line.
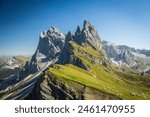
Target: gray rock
[50, 45]
[125, 56]
[133, 93]
[88, 35]
[78, 31]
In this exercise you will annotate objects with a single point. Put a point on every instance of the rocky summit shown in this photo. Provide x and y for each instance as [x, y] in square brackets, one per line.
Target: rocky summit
[50, 45]
[88, 35]
[80, 66]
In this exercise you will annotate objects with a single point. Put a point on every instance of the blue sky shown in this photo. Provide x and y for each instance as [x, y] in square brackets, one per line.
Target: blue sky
[124, 22]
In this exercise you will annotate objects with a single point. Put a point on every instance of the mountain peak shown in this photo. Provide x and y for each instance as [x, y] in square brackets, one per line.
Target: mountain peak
[53, 37]
[69, 36]
[43, 34]
[78, 31]
[90, 35]
[87, 25]
[50, 44]
[54, 29]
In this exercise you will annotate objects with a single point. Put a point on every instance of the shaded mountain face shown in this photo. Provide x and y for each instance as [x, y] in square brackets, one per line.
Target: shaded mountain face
[77, 66]
[125, 56]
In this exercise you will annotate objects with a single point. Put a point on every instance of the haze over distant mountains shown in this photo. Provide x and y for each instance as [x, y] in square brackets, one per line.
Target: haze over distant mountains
[80, 66]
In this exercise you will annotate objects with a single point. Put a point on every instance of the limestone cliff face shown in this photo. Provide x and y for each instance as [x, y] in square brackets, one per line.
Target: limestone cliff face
[50, 45]
[88, 35]
[124, 56]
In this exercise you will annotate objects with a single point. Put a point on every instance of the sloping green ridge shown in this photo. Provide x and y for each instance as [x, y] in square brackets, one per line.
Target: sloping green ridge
[104, 78]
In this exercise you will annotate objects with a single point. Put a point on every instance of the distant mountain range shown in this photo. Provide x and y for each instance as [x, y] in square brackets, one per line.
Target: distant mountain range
[80, 66]
[128, 57]
[10, 65]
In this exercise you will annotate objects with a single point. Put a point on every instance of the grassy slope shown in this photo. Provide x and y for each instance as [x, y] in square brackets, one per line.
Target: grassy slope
[107, 79]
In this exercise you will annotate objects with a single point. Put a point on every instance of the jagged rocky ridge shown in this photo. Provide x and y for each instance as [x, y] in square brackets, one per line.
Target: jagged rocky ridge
[82, 52]
[128, 57]
[87, 35]
[50, 45]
